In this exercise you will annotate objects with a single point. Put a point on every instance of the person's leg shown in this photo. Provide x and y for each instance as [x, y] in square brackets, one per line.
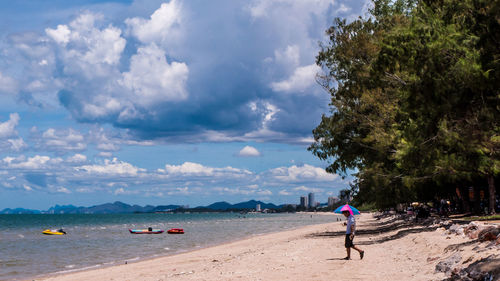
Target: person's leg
[351, 244]
[361, 252]
[348, 250]
[348, 244]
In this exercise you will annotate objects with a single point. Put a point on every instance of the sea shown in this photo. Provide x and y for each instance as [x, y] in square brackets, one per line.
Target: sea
[99, 240]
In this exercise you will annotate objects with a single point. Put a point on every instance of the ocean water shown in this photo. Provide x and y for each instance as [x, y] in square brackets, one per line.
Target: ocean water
[103, 240]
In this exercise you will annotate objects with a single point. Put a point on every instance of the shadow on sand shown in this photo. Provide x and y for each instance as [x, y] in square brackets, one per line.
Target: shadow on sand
[455, 247]
[337, 259]
[408, 227]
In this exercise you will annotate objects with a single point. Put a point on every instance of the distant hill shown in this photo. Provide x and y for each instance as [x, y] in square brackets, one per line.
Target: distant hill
[218, 206]
[108, 208]
[252, 204]
[117, 208]
[123, 208]
[248, 205]
[18, 211]
[65, 209]
[166, 208]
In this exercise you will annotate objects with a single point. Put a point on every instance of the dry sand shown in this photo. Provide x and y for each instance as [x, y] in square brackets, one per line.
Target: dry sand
[309, 253]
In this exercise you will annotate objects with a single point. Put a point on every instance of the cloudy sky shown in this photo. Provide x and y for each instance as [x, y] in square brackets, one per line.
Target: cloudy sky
[162, 102]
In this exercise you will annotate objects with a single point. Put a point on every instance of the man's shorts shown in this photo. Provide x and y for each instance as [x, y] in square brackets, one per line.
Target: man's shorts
[348, 241]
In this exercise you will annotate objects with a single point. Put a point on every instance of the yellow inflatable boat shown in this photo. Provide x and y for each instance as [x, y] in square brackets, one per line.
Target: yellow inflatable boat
[54, 232]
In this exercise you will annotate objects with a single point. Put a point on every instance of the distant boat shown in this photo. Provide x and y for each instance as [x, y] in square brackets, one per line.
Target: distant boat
[54, 232]
[146, 231]
[176, 231]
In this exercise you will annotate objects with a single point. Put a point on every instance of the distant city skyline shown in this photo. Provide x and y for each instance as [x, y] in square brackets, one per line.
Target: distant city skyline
[311, 200]
[129, 100]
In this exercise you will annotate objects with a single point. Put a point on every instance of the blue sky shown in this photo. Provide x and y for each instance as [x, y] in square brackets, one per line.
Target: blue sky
[162, 102]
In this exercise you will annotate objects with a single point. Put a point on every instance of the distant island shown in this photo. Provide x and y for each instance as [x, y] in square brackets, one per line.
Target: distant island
[123, 208]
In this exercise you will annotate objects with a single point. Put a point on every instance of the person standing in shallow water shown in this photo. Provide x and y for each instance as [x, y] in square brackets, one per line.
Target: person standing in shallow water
[349, 235]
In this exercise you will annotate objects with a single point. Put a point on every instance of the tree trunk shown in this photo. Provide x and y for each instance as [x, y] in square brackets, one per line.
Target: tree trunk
[477, 201]
[491, 191]
[465, 199]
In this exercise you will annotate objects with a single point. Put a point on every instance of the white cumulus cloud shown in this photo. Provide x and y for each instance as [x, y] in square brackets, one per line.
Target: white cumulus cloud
[160, 25]
[77, 158]
[8, 128]
[249, 151]
[302, 78]
[195, 169]
[152, 79]
[60, 34]
[301, 173]
[85, 47]
[112, 167]
[284, 192]
[32, 163]
[308, 189]
[7, 84]
[17, 144]
[61, 141]
[290, 56]
[62, 189]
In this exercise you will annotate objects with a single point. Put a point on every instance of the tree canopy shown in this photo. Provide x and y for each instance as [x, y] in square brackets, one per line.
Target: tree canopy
[415, 99]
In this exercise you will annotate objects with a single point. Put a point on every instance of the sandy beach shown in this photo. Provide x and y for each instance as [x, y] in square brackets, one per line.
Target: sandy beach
[395, 250]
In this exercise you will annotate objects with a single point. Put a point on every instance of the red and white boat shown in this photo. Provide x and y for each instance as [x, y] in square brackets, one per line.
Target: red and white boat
[146, 231]
[175, 231]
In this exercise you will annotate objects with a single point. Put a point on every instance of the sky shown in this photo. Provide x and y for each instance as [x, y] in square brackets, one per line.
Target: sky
[163, 102]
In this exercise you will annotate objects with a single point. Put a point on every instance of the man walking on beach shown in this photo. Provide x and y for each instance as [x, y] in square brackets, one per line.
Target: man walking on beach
[349, 235]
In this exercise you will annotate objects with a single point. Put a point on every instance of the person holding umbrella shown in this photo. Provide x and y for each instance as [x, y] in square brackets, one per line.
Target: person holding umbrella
[348, 212]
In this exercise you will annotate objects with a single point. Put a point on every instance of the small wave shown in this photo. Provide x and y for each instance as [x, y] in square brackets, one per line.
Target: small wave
[78, 269]
[70, 266]
[134, 259]
[20, 236]
[166, 248]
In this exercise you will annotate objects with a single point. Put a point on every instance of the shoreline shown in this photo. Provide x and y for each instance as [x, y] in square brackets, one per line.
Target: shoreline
[395, 250]
[118, 262]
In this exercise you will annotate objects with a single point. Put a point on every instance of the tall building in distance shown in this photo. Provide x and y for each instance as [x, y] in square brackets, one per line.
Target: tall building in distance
[303, 202]
[257, 208]
[332, 200]
[312, 203]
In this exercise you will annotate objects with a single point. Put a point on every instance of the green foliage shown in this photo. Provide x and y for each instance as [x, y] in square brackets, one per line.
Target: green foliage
[368, 207]
[415, 98]
[483, 218]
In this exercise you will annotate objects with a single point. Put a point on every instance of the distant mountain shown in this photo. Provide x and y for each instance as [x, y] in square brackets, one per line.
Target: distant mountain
[219, 206]
[109, 208]
[122, 208]
[222, 206]
[117, 208]
[252, 204]
[166, 208]
[18, 211]
[65, 209]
